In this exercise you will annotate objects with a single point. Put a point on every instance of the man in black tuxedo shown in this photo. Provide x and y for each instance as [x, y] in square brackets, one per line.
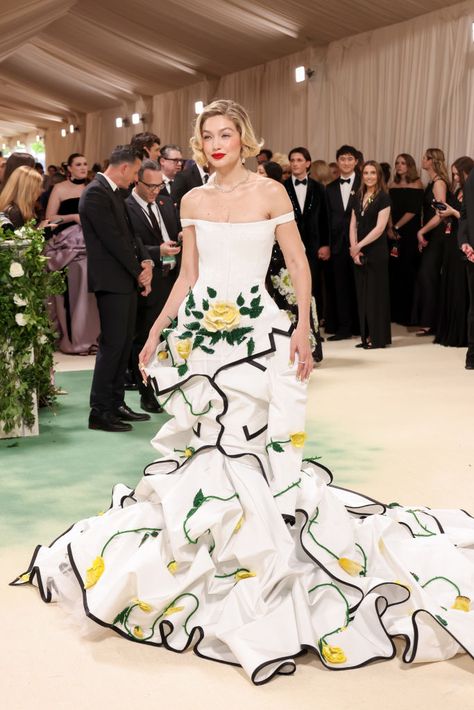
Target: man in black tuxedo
[341, 194]
[195, 176]
[118, 265]
[466, 243]
[311, 214]
[147, 145]
[171, 163]
[155, 222]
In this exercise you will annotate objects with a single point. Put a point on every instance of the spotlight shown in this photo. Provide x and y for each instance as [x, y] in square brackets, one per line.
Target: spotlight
[198, 107]
[300, 74]
[118, 122]
[135, 118]
[63, 133]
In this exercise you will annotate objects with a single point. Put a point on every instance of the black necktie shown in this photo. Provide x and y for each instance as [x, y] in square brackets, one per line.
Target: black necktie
[343, 180]
[301, 182]
[154, 221]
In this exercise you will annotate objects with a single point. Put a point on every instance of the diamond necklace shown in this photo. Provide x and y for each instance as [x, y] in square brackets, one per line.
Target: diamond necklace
[234, 187]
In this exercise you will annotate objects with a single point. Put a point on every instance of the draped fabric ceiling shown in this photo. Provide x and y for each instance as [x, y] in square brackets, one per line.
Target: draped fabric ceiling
[62, 59]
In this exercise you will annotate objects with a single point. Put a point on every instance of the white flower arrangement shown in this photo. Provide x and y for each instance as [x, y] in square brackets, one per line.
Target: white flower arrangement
[16, 270]
[19, 301]
[21, 319]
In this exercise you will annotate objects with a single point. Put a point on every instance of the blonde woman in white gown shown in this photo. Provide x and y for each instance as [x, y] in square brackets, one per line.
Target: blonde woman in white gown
[232, 543]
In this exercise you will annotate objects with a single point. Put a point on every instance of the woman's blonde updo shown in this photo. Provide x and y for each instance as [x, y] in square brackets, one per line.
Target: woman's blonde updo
[240, 118]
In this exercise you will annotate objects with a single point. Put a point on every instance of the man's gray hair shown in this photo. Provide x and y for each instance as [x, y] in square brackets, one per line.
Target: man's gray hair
[147, 165]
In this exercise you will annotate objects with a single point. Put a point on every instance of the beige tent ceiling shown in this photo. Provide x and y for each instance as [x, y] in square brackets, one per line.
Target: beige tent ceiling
[61, 58]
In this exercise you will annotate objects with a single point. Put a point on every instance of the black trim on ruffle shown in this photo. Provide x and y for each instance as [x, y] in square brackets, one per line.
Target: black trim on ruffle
[250, 436]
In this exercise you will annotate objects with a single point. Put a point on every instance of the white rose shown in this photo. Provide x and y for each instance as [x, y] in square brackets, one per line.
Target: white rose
[42, 339]
[16, 270]
[21, 319]
[19, 301]
[20, 232]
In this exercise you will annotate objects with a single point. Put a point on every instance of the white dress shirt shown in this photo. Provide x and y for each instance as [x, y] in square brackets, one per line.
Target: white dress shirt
[170, 260]
[111, 182]
[167, 182]
[346, 189]
[301, 191]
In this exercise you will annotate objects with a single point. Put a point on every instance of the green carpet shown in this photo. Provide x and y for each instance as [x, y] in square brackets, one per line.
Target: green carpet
[67, 472]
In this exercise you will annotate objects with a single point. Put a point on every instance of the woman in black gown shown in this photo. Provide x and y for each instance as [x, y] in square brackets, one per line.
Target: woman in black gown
[431, 244]
[406, 196]
[279, 283]
[74, 313]
[454, 296]
[369, 251]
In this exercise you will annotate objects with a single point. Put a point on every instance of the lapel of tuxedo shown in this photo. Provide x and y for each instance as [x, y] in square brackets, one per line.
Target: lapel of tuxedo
[135, 208]
[290, 188]
[354, 189]
[309, 196]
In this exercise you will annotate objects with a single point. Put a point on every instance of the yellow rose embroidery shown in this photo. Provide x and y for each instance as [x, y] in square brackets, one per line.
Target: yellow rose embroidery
[25, 577]
[173, 610]
[173, 567]
[183, 348]
[333, 654]
[243, 574]
[223, 315]
[298, 439]
[239, 525]
[162, 355]
[144, 606]
[94, 572]
[462, 604]
[138, 632]
[350, 566]
[188, 452]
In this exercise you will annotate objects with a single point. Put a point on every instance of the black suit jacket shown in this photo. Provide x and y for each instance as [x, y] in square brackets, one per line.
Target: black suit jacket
[340, 218]
[313, 221]
[144, 230]
[466, 223]
[184, 182]
[113, 251]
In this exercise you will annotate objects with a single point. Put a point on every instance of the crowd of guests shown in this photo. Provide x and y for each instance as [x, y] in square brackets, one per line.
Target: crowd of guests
[382, 247]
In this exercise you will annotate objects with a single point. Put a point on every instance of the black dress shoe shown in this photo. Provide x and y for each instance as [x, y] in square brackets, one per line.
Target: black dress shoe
[339, 336]
[149, 403]
[128, 415]
[106, 421]
[469, 364]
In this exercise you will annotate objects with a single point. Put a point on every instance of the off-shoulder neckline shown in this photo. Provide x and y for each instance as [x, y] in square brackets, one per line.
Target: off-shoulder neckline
[257, 221]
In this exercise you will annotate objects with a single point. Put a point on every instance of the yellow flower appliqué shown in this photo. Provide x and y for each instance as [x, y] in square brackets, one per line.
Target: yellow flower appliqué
[144, 606]
[138, 632]
[333, 654]
[162, 355]
[183, 348]
[173, 610]
[24, 577]
[462, 604]
[172, 567]
[298, 439]
[94, 572]
[244, 575]
[350, 566]
[222, 315]
[239, 525]
[188, 452]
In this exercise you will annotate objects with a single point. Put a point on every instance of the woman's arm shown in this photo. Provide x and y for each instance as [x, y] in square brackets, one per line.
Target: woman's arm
[439, 194]
[187, 277]
[353, 230]
[375, 233]
[54, 201]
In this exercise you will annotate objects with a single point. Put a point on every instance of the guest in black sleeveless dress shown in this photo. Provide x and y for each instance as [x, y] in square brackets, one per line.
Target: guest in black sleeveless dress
[75, 312]
[406, 196]
[369, 251]
[454, 298]
[431, 244]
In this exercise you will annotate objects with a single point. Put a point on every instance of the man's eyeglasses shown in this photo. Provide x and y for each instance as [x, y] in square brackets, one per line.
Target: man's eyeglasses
[151, 186]
[174, 160]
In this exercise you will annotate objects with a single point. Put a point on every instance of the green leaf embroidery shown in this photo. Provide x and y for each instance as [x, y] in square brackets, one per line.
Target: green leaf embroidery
[192, 326]
[277, 447]
[144, 539]
[240, 300]
[255, 302]
[198, 340]
[244, 311]
[415, 576]
[182, 369]
[250, 346]
[205, 304]
[211, 292]
[215, 337]
[441, 620]
[198, 498]
[255, 312]
[120, 618]
[198, 314]
[254, 289]
[394, 505]
[210, 351]
[190, 303]
[184, 336]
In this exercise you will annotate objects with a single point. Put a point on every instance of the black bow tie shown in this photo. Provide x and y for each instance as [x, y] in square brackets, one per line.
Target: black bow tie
[343, 180]
[301, 182]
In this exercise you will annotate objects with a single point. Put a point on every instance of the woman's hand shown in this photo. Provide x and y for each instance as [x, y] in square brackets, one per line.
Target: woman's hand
[357, 260]
[447, 212]
[354, 250]
[301, 348]
[422, 243]
[146, 354]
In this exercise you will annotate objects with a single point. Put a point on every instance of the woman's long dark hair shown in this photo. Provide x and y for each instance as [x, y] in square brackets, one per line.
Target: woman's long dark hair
[412, 172]
[381, 185]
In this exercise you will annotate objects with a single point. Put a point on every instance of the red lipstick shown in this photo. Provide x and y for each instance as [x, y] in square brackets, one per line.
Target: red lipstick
[218, 156]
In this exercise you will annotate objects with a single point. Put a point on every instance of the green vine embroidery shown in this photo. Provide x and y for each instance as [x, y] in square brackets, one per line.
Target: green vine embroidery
[180, 391]
[199, 500]
[331, 654]
[350, 566]
[295, 484]
[149, 532]
[428, 532]
[137, 633]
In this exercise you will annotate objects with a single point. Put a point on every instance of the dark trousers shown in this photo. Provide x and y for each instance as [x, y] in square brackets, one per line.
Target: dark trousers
[426, 302]
[117, 313]
[470, 315]
[345, 294]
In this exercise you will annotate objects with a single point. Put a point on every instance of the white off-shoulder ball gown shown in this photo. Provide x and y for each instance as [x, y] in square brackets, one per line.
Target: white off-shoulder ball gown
[232, 543]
